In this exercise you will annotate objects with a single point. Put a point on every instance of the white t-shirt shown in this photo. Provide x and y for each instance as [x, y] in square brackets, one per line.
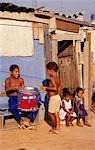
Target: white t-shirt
[68, 106]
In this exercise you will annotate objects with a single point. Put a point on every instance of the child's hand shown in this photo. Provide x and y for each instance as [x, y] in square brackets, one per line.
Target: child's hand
[16, 87]
[71, 112]
[68, 113]
[43, 88]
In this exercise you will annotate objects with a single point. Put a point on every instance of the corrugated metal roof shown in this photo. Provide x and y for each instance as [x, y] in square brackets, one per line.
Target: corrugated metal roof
[14, 8]
[41, 14]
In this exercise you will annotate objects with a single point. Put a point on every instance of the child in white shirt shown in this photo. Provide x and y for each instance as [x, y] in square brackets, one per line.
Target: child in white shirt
[67, 109]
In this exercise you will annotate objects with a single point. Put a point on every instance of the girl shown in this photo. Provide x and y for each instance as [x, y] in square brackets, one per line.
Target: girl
[79, 108]
[93, 102]
[67, 109]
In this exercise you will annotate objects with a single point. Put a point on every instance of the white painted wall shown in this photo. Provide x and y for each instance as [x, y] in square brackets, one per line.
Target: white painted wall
[93, 45]
[16, 38]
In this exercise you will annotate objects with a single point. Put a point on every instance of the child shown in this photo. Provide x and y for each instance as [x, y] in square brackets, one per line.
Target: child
[46, 102]
[54, 91]
[67, 109]
[93, 102]
[79, 108]
[12, 85]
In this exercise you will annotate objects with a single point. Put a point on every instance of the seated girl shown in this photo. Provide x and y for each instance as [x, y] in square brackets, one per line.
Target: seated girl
[67, 109]
[79, 108]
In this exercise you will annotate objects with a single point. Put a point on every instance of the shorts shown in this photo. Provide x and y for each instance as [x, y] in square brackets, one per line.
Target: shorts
[54, 104]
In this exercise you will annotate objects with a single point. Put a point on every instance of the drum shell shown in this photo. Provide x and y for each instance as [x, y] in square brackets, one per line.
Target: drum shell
[27, 101]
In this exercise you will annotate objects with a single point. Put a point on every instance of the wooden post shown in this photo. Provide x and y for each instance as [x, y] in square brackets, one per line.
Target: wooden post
[86, 74]
[79, 66]
[54, 50]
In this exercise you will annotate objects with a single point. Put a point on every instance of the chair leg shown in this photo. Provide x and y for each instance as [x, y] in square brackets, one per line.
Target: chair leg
[2, 121]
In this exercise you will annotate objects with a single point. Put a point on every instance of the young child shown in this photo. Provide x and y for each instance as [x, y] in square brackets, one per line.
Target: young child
[54, 92]
[79, 108]
[12, 85]
[93, 102]
[67, 109]
[46, 102]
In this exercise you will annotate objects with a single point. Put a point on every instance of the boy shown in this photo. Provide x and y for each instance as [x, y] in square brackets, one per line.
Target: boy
[54, 92]
[12, 85]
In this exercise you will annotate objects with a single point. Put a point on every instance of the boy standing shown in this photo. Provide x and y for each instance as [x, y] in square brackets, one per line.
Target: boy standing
[12, 85]
[54, 92]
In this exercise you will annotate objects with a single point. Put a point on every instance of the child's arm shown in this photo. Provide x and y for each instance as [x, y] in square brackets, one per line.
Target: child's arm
[76, 104]
[8, 87]
[21, 86]
[63, 106]
[71, 110]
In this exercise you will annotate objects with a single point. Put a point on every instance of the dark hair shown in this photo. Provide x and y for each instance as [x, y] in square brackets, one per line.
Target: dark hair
[93, 96]
[64, 90]
[46, 82]
[52, 66]
[79, 89]
[14, 66]
[67, 93]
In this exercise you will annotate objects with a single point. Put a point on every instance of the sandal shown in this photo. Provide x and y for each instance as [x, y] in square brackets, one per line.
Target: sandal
[21, 126]
[32, 127]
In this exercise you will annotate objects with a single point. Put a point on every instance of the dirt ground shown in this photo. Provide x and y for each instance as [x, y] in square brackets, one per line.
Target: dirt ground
[70, 138]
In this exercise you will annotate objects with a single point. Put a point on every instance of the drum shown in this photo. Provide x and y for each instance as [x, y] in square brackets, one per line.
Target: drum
[28, 100]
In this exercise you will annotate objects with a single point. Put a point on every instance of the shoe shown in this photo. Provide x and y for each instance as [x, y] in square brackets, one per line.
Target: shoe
[21, 126]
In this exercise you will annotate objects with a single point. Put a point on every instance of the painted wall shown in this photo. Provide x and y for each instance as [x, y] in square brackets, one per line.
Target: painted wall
[93, 44]
[32, 69]
[16, 38]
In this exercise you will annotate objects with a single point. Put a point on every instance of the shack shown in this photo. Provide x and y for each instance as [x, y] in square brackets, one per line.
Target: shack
[31, 38]
[72, 43]
[23, 41]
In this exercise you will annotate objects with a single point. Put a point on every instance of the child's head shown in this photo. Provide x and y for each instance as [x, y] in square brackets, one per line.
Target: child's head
[46, 82]
[67, 95]
[64, 90]
[79, 92]
[51, 68]
[14, 70]
[93, 96]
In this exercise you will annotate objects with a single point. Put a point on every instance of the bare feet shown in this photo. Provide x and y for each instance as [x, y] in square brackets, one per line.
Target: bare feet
[67, 125]
[51, 130]
[54, 131]
[71, 124]
[87, 124]
[26, 124]
[79, 124]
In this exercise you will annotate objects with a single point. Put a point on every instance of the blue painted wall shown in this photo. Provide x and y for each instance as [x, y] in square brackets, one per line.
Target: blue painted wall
[32, 69]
